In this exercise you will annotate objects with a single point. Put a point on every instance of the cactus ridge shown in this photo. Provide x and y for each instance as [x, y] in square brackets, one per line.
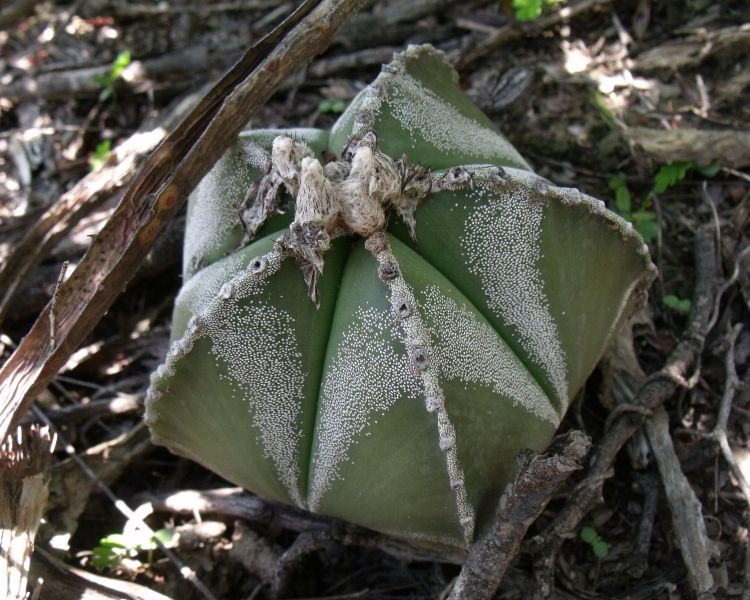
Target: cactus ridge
[419, 349]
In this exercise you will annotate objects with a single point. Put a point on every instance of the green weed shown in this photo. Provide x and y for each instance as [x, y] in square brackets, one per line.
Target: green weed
[599, 547]
[129, 544]
[100, 155]
[528, 10]
[107, 80]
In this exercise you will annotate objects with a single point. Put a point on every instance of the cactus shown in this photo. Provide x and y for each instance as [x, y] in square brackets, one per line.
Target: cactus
[424, 308]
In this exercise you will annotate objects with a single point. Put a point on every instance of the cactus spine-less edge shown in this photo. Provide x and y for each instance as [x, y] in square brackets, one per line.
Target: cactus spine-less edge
[491, 296]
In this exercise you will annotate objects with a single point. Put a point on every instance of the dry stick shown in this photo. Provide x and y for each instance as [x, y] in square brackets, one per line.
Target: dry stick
[649, 486]
[655, 390]
[515, 30]
[239, 504]
[151, 202]
[726, 285]
[81, 82]
[536, 479]
[687, 513]
[719, 435]
[126, 511]
[84, 197]
[312, 541]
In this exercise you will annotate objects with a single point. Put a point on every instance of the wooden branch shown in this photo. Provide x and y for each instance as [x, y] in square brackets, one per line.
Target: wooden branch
[687, 513]
[731, 147]
[677, 371]
[163, 184]
[83, 198]
[694, 49]
[535, 481]
[24, 489]
[238, 504]
[182, 65]
[516, 30]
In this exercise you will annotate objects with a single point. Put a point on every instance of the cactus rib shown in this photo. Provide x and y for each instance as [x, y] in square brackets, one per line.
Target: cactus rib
[417, 341]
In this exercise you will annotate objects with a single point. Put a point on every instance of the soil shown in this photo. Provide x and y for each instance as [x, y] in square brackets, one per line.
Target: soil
[613, 100]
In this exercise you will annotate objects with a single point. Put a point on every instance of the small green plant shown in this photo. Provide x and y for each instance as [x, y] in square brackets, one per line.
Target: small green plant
[672, 173]
[528, 10]
[644, 220]
[335, 107]
[107, 80]
[677, 304]
[100, 155]
[116, 547]
[599, 547]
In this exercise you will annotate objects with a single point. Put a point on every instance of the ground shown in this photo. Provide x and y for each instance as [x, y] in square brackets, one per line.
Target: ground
[642, 104]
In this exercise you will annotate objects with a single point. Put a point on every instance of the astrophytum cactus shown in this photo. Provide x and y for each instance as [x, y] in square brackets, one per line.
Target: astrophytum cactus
[424, 308]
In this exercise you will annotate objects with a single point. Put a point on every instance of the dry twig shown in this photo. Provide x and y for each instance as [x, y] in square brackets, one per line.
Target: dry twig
[536, 479]
[513, 31]
[719, 435]
[731, 147]
[82, 199]
[238, 504]
[687, 513]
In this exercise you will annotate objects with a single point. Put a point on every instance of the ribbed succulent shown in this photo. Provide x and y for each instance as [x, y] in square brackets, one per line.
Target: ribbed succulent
[424, 308]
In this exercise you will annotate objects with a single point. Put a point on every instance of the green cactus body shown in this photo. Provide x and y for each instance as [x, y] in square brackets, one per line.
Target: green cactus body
[400, 402]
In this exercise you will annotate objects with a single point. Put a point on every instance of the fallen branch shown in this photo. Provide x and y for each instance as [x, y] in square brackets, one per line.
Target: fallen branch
[235, 503]
[24, 490]
[179, 66]
[687, 513]
[694, 49]
[624, 379]
[677, 372]
[536, 479]
[163, 184]
[719, 435]
[730, 147]
[86, 196]
[515, 30]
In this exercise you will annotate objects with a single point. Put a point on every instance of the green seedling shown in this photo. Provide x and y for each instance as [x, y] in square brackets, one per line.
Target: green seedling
[335, 107]
[672, 173]
[599, 547]
[677, 304]
[643, 220]
[100, 155]
[604, 111]
[528, 10]
[108, 80]
[116, 547]
[463, 303]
